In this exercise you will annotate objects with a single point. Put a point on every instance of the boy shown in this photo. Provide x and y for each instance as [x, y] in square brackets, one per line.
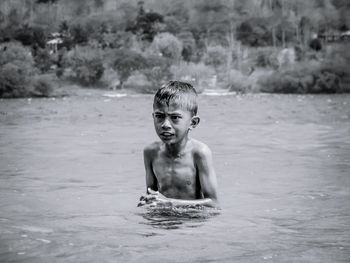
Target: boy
[179, 170]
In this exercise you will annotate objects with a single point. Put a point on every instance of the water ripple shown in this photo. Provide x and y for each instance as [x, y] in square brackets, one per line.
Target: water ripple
[174, 217]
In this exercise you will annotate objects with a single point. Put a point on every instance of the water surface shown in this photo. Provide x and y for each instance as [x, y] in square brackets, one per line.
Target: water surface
[71, 173]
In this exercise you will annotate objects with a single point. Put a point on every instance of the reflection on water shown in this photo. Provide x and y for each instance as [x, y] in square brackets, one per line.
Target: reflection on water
[176, 217]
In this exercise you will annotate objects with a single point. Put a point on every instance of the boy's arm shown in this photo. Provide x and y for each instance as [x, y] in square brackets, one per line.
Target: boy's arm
[158, 197]
[207, 177]
[151, 181]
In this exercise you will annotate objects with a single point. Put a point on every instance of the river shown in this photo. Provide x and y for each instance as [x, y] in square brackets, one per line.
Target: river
[71, 173]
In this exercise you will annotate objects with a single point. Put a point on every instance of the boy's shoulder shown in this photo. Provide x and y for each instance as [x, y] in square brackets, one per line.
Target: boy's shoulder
[200, 149]
[152, 148]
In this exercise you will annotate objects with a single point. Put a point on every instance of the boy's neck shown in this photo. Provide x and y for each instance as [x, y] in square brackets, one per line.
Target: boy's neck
[177, 149]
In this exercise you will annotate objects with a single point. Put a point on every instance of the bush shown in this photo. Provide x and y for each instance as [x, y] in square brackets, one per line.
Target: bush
[157, 70]
[110, 79]
[12, 81]
[254, 32]
[278, 83]
[326, 83]
[215, 56]
[17, 74]
[197, 74]
[189, 45]
[167, 45]
[264, 57]
[307, 78]
[146, 25]
[59, 72]
[239, 83]
[126, 61]
[315, 44]
[41, 86]
[86, 64]
[43, 60]
[117, 40]
[16, 70]
[16, 54]
[79, 34]
[31, 36]
[14, 84]
[172, 25]
[156, 76]
[139, 82]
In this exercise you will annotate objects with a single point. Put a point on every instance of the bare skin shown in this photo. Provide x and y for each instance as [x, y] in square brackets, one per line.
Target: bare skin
[179, 170]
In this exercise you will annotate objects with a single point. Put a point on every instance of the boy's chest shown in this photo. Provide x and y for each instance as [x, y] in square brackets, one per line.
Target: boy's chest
[175, 171]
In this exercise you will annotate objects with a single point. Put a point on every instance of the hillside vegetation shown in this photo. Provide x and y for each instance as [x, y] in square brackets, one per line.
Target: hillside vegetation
[279, 46]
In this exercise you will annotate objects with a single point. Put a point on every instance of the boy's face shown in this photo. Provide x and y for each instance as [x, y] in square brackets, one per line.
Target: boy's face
[172, 123]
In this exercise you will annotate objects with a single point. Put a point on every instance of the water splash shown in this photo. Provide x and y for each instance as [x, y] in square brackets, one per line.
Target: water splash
[177, 217]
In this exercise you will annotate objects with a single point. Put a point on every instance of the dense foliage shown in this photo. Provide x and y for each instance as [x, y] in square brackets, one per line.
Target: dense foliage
[331, 75]
[18, 76]
[86, 64]
[212, 43]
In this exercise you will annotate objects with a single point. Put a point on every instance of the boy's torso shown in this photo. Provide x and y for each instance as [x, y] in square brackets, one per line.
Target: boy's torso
[177, 176]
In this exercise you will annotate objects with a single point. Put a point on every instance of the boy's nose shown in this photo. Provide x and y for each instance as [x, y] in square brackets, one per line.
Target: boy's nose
[166, 124]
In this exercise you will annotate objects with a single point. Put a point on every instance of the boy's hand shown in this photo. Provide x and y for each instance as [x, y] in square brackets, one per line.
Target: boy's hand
[146, 199]
[154, 198]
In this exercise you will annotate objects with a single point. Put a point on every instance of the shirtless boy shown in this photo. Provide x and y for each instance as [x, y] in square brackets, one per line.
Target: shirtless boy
[179, 170]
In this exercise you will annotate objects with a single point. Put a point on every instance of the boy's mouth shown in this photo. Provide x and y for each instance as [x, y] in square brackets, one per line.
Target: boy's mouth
[166, 134]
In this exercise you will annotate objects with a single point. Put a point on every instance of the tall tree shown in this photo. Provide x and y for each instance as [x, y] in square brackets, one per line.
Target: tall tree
[209, 17]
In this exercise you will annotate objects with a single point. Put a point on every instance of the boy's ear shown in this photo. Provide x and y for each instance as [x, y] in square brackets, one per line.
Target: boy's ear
[194, 122]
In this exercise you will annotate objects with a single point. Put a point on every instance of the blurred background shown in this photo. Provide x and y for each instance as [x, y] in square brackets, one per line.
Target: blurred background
[51, 47]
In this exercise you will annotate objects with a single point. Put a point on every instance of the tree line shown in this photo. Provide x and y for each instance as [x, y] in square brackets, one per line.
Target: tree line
[255, 22]
[161, 39]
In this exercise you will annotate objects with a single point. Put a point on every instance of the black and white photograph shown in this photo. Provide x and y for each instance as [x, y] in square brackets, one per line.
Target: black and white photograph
[184, 131]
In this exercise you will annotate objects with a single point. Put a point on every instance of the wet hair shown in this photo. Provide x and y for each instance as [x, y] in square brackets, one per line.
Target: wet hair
[181, 93]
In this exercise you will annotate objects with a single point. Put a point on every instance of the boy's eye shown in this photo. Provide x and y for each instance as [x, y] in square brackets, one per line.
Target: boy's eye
[158, 116]
[175, 117]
